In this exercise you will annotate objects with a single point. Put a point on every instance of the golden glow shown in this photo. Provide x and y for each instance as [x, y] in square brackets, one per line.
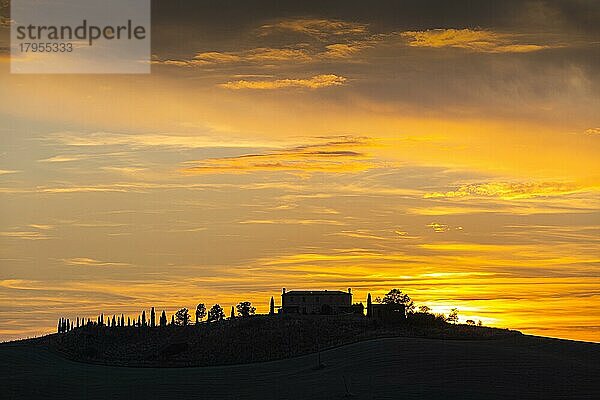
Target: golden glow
[320, 153]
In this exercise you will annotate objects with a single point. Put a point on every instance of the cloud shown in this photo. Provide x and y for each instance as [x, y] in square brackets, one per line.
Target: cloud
[258, 55]
[316, 28]
[592, 131]
[316, 82]
[26, 235]
[340, 155]
[7, 171]
[441, 228]
[93, 139]
[510, 190]
[484, 41]
[292, 221]
[92, 262]
[61, 158]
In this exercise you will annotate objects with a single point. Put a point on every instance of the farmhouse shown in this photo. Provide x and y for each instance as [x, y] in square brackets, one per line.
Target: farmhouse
[323, 302]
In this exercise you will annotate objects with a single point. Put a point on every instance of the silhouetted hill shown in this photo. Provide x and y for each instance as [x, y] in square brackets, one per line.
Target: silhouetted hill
[513, 367]
[242, 340]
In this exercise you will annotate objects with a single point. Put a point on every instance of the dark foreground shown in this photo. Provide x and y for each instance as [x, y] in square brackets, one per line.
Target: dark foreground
[519, 367]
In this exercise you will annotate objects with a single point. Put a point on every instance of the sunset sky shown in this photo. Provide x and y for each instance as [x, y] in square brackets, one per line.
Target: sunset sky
[448, 149]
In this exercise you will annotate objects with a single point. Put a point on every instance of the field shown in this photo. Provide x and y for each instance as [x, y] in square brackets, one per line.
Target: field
[517, 367]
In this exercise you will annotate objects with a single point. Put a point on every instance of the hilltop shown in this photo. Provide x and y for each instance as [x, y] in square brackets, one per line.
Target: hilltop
[244, 340]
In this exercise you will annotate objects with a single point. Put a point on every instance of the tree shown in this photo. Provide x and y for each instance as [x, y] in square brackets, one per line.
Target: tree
[128, 321]
[163, 319]
[272, 306]
[216, 313]
[470, 322]
[369, 306]
[245, 309]
[453, 316]
[59, 327]
[114, 321]
[152, 318]
[183, 317]
[122, 320]
[479, 323]
[424, 309]
[395, 296]
[200, 312]
[172, 319]
[232, 313]
[143, 317]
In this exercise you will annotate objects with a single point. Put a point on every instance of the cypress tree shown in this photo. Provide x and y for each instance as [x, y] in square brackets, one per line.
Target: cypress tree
[232, 314]
[71, 328]
[369, 306]
[163, 319]
[114, 323]
[122, 320]
[173, 319]
[128, 321]
[152, 318]
[144, 318]
[59, 328]
[77, 322]
[272, 306]
[139, 323]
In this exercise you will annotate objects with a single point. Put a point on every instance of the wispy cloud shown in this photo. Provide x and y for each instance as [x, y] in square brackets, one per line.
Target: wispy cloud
[315, 82]
[342, 155]
[511, 190]
[26, 235]
[90, 262]
[317, 28]
[592, 132]
[7, 171]
[485, 41]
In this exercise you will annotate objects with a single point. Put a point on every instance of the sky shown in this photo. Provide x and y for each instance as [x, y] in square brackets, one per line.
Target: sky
[448, 149]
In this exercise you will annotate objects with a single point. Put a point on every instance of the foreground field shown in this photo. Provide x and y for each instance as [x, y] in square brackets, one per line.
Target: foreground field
[522, 367]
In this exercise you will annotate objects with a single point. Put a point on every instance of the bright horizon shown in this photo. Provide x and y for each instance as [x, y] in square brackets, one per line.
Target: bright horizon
[444, 150]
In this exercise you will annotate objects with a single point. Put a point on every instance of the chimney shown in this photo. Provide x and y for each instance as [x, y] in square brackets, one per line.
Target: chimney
[350, 290]
[283, 291]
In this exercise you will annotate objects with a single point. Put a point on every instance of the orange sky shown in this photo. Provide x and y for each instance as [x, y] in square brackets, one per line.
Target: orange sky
[453, 158]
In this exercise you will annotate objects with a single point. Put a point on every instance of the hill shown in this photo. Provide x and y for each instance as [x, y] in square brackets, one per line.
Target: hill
[245, 340]
[517, 366]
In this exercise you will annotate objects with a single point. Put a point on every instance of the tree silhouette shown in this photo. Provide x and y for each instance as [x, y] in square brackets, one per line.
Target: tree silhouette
[453, 316]
[122, 320]
[424, 309]
[245, 309]
[163, 319]
[128, 321]
[369, 306]
[114, 322]
[200, 312]
[183, 316]
[272, 306]
[152, 318]
[144, 318]
[216, 313]
[172, 319]
[232, 313]
[395, 296]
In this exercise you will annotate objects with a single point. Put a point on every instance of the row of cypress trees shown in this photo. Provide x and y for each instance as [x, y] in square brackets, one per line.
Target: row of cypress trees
[66, 325]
